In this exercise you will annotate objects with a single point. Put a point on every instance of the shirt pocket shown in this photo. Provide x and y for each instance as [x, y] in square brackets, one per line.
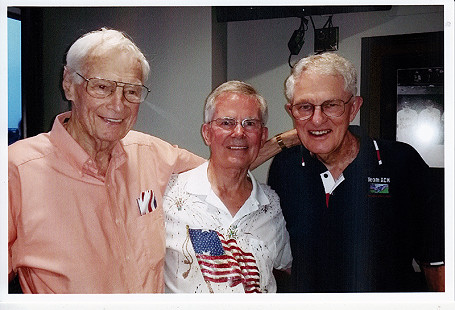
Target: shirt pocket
[148, 235]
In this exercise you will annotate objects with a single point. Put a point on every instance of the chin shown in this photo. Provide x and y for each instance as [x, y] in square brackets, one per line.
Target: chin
[238, 164]
[318, 149]
[112, 137]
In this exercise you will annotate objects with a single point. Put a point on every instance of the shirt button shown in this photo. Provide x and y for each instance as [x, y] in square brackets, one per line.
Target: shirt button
[326, 175]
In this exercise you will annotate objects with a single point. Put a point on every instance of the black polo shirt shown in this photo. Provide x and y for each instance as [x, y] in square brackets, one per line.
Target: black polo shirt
[380, 218]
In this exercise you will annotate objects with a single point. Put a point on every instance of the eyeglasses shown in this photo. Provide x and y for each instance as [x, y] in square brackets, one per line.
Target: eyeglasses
[229, 124]
[101, 88]
[331, 108]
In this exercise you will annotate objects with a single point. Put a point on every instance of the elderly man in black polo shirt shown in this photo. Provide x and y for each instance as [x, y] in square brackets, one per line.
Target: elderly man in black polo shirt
[359, 211]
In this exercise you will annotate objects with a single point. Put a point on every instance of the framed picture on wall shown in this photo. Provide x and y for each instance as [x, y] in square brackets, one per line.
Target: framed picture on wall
[420, 112]
[402, 78]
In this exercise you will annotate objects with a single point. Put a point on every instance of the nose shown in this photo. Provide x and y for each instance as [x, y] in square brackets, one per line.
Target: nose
[318, 116]
[117, 100]
[238, 130]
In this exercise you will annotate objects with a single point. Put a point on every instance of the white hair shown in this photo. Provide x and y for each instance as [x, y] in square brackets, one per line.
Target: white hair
[326, 63]
[99, 42]
[234, 87]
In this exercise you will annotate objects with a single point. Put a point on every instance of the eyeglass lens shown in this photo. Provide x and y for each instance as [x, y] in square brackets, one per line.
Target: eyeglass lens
[228, 124]
[100, 88]
[331, 108]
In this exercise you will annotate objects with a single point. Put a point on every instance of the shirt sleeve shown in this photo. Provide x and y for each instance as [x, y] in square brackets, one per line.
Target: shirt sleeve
[14, 203]
[186, 161]
[427, 204]
[283, 259]
[170, 159]
[430, 198]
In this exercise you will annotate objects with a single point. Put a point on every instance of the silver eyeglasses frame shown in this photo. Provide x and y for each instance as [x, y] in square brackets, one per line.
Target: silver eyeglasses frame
[323, 105]
[232, 123]
[144, 89]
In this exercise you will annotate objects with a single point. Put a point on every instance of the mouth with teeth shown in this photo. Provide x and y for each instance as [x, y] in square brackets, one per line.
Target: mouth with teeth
[237, 147]
[112, 120]
[319, 133]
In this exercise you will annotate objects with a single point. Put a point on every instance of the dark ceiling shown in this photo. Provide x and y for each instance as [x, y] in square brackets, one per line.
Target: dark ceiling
[242, 13]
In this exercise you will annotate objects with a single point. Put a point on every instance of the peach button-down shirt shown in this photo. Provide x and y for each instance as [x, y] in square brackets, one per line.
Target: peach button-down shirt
[71, 230]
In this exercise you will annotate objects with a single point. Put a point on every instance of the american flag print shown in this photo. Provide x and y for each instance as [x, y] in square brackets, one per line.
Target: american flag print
[146, 202]
[222, 260]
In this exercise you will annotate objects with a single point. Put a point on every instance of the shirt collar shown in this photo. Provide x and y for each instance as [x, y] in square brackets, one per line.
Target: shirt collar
[198, 184]
[75, 154]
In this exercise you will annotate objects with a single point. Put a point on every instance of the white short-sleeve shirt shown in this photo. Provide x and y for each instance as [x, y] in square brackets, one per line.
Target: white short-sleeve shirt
[209, 251]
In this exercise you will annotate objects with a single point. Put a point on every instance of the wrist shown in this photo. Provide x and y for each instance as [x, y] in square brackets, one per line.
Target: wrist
[280, 142]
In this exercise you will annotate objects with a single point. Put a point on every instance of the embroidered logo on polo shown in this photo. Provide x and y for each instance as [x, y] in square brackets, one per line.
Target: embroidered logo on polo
[379, 186]
[146, 202]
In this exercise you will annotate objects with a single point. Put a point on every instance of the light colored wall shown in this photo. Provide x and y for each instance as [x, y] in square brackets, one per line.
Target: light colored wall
[258, 52]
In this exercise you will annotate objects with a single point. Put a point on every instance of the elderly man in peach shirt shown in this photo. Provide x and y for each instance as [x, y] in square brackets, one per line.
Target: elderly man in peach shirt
[85, 212]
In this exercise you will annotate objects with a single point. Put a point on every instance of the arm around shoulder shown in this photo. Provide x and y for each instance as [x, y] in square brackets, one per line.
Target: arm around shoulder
[275, 145]
[187, 161]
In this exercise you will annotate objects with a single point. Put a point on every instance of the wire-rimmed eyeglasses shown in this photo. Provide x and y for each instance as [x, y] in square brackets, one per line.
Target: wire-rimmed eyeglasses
[331, 108]
[102, 88]
[229, 123]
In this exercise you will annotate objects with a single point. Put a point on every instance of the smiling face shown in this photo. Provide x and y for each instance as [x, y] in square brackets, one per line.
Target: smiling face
[320, 134]
[109, 119]
[237, 148]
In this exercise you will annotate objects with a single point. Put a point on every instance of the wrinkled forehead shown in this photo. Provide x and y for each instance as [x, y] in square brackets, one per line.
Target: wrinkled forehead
[320, 80]
[323, 69]
[237, 102]
[119, 61]
[234, 97]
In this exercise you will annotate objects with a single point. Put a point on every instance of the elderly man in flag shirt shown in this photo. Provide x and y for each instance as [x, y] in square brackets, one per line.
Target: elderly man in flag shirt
[225, 232]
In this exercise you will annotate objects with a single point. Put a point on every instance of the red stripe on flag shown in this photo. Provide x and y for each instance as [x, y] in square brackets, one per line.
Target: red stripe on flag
[235, 267]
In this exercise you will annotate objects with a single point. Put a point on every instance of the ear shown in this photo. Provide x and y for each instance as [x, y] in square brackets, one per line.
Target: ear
[67, 84]
[287, 107]
[265, 135]
[205, 130]
[356, 104]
